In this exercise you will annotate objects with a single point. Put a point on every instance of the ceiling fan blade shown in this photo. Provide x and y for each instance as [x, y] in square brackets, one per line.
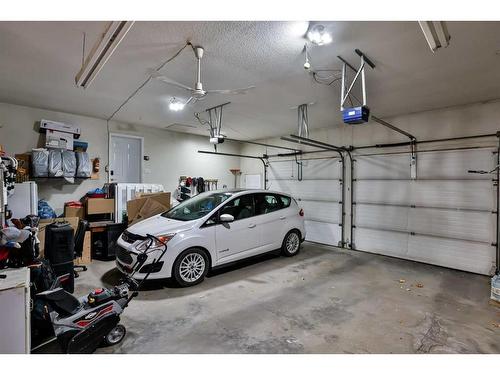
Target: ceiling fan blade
[160, 77]
[231, 92]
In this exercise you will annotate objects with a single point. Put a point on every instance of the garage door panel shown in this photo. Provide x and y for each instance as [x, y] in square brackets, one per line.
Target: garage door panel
[282, 170]
[393, 192]
[321, 169]
[382, 166]
[381, 242]
[467, 256]
[375, 216]
[467, 225]
[472, 194]
[325, 233]
[308, 189]
[454, 164]
[321, 211]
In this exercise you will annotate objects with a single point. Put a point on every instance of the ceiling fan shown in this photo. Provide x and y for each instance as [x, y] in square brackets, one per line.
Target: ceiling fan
[197, 93]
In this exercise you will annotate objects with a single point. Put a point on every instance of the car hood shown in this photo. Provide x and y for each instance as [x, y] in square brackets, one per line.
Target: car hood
[160, 225]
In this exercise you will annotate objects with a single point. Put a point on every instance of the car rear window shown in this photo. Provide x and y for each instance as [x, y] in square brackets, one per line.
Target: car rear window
[285, 201]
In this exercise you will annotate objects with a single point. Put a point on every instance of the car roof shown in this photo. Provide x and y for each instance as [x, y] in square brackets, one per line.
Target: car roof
[248, 191]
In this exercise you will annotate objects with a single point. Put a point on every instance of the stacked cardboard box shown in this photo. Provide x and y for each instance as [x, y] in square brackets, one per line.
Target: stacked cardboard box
[147, 205]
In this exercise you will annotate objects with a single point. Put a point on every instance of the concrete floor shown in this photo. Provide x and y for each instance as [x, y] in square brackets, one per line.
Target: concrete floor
[325, 300]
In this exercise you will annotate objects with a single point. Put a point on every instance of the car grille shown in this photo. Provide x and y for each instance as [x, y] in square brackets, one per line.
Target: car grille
[124, 255]
[131, 237]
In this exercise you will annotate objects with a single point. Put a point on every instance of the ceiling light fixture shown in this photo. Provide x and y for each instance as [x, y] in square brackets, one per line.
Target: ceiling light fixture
[436, 34]
[102, 51]
[319, 35]
[176, 105]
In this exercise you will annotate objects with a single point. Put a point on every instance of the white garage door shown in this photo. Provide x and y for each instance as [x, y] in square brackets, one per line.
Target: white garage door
[445, 217]
[319, 194]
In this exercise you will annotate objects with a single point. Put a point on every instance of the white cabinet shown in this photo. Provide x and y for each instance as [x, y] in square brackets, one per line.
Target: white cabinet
[15, 311]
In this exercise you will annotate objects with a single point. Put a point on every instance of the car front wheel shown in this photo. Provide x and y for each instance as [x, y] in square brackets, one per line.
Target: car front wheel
[191, 267]
[291, 244]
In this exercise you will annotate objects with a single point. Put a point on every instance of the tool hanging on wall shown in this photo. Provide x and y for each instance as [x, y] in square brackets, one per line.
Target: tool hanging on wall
[359, 114]
[214, 123]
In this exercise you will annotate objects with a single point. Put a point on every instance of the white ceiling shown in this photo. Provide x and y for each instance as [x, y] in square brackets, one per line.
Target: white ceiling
[39, 61]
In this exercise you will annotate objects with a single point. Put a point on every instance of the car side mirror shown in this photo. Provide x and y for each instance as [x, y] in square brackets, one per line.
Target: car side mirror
[226, 218]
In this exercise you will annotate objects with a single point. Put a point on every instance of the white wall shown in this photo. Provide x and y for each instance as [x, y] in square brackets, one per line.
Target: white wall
[171, 154]
[473, 119]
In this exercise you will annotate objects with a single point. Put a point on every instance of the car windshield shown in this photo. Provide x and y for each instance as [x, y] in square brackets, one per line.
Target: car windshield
[197, 207]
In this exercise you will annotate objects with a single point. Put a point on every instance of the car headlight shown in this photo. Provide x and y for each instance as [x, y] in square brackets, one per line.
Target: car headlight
[161, 240]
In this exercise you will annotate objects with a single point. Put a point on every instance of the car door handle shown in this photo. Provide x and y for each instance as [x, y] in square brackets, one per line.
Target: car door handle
[282, 218]
[252, 226]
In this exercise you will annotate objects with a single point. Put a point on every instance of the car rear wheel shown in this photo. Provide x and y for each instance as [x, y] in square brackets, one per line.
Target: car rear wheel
[291, 244]
[191, 267]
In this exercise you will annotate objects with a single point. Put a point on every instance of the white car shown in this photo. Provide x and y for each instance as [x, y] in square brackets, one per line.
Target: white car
[212, 229]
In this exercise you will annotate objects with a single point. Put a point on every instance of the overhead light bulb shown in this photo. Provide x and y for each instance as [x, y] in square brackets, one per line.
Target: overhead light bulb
[176, 105]
[319, 36]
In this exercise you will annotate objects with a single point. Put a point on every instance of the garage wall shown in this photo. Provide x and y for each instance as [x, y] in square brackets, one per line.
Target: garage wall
[171, 154]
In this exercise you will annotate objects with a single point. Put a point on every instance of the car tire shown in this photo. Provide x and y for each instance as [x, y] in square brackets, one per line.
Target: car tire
[190, 267]
[291, 244]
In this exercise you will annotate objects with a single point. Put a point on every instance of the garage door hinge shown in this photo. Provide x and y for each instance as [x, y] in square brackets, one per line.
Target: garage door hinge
[412, 233]
[355, 179]
[340, 225]
[413, 206]
[354, 226]
[493, 212]
[340, 202]
[353, 203]
[494, 244]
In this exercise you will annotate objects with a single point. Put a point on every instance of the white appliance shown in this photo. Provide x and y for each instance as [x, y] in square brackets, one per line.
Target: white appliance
[24, 201]
[15, 311]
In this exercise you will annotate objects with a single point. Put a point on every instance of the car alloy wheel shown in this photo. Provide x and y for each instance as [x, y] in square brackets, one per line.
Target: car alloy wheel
[192, 267]
[292, 243]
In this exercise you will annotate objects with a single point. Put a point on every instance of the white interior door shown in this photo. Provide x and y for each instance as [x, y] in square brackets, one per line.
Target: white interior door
[125, 159]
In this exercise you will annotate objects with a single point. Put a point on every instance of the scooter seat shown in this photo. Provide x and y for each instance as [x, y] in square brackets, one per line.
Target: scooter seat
[63, 302]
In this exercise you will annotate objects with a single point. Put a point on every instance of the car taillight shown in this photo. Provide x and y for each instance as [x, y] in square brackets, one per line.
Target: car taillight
[301, 212]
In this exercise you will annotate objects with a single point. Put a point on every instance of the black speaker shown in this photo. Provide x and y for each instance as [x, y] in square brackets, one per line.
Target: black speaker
[60, 251]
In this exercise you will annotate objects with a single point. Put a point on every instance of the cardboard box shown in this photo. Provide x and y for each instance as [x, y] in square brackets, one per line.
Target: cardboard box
[85, 259]
[147, 205]
[74, 212]
[100, 206]
[24, 167]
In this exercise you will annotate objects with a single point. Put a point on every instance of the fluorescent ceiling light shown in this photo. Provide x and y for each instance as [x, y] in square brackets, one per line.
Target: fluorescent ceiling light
[436, 34]
[102, 51]
[176, 105]
[318, 35]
